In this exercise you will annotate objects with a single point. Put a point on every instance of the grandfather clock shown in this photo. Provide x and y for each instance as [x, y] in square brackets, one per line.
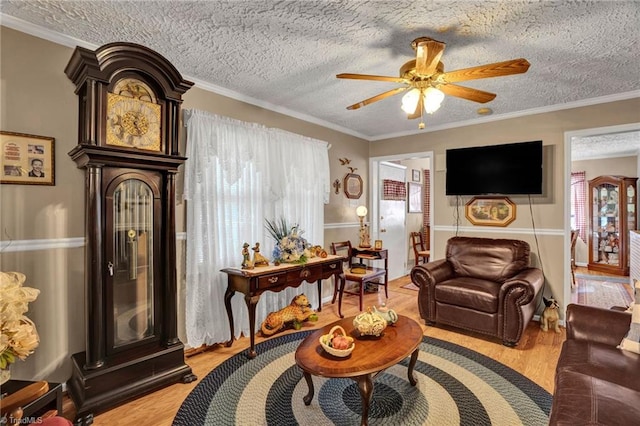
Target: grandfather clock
[130, 99]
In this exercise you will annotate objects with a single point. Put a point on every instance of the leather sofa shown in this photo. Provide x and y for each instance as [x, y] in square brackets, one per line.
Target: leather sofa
[596, 383]
[483, 285]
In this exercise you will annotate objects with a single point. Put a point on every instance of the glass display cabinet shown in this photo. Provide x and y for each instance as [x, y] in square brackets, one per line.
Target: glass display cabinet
[612, 215]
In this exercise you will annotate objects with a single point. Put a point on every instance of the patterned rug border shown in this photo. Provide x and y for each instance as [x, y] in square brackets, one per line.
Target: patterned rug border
[603, 278]
[606, 292]
[193, 410]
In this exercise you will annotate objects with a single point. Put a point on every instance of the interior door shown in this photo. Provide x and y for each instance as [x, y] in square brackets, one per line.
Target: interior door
[392, 220]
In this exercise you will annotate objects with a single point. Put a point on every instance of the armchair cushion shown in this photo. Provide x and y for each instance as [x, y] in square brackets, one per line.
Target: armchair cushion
[490, 259]
[478, 294]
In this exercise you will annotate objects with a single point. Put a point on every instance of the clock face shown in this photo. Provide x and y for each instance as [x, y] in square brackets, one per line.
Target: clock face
[134, 88]
[133, 122]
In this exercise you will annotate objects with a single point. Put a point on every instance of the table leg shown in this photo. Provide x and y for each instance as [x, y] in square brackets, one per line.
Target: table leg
[343, 282]
[319, 294]
[412, 363]
[365, 385]
[251, 306]
[227, 304]
[309, 396]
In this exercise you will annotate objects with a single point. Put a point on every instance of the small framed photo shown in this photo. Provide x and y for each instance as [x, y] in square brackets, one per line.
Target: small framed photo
[377, 245]
[415, 175]
[490, 211]
[27, 159]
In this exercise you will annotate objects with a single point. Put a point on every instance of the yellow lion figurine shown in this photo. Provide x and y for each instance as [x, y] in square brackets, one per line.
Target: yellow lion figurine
[296, 313]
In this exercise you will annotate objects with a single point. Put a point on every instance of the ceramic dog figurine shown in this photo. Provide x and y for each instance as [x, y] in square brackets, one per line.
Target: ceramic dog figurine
[550, 317]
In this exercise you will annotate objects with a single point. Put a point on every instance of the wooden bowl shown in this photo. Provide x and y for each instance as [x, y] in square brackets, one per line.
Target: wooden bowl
[326, 339]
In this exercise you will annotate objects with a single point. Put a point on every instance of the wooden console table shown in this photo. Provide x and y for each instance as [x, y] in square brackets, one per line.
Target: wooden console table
[253, 282]
[52, 400]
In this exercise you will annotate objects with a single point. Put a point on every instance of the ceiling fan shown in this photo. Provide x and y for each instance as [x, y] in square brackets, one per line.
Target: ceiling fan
[426, 82]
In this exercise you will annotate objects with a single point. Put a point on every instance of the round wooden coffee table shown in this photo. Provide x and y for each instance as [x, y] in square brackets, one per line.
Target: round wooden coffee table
[371, 356]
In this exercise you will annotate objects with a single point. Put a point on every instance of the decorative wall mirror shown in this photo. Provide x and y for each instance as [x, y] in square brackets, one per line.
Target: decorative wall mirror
[353, 186]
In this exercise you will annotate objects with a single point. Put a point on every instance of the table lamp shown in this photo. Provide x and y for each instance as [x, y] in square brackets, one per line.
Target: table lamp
[361, 211]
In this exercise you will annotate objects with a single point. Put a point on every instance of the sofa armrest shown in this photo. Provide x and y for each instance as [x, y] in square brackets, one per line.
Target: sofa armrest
[530, 280]
[429, 274]
[597, 325]
[426, 277]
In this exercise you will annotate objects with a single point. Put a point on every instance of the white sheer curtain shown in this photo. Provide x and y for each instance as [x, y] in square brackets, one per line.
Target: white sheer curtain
[236, 176]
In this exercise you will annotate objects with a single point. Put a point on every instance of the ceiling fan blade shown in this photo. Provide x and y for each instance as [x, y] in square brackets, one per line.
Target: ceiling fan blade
[428, 54]
[377, 98]
[418, 112]
[371, 77]
[515, 66]
[467, 93]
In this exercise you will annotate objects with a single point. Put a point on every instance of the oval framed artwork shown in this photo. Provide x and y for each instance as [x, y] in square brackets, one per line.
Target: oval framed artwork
[353, 186]
[490, 211]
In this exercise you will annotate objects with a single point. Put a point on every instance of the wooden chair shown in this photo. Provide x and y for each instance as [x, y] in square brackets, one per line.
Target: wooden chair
[420, 250]
[11, 405]
[372, 276]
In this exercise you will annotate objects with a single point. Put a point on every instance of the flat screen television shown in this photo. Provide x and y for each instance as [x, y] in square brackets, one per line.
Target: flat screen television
[509, 169]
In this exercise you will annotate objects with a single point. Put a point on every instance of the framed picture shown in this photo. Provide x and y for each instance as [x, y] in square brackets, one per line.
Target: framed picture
[414, 198]
[352, 186]
[377, 245]
[415, 175]
[490, 211]
[27, 159]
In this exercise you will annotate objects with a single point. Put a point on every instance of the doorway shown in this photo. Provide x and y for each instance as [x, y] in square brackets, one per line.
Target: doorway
[399, 264]
[617, 140]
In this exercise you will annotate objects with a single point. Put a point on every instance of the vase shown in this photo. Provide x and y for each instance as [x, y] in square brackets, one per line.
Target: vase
[5, 375]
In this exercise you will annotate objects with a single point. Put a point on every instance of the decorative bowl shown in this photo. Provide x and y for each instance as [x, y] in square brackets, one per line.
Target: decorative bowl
[370, 323]
[325, 342]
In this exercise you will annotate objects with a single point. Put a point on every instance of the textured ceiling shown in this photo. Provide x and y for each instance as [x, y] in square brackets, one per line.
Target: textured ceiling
[284, 55]
[610, 145]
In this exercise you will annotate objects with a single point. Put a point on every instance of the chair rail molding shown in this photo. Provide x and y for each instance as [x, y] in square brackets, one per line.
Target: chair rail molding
[9, 246]
[494, 230]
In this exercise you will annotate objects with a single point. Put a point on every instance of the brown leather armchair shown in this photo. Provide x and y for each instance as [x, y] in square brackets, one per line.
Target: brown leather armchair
[483, 285]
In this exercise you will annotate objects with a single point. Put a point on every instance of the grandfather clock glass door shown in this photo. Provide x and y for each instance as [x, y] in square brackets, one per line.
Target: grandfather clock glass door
[132, 211]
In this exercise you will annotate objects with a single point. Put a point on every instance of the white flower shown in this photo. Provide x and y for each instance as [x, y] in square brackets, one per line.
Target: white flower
[18, 334]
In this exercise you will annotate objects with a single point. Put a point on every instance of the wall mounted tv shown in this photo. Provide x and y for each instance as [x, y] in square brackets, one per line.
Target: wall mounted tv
[509, 169]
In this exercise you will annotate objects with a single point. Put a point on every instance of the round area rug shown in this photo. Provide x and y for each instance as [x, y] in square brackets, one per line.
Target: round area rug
[456, 386]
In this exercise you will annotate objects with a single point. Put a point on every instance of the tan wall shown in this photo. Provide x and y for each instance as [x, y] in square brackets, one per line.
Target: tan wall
[618, 166]
[414, 221]
[37, 98]
[548, 216]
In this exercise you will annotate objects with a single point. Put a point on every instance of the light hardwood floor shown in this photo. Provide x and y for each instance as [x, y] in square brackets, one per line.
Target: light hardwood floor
[535, 357]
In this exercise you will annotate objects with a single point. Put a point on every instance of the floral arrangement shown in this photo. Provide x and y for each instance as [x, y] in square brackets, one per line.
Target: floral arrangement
[18, 334]
[290, 246]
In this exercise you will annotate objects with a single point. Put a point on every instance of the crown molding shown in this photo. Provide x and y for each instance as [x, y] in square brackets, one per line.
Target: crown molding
[516, 114]
[65, 40]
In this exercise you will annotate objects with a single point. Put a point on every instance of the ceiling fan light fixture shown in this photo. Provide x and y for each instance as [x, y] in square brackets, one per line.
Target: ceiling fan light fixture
[432, 99]
[410, 101]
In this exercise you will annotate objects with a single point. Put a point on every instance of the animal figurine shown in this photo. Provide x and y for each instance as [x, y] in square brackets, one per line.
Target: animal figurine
[258, 258]
[246, 260]
[550, 317]
[295, 314]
